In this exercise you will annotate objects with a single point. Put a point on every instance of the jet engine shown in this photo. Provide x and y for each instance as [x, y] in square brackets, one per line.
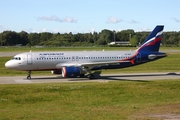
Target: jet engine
[71, 71]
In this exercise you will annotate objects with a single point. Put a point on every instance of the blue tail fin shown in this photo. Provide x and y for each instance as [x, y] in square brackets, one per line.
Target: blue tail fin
[152, 42]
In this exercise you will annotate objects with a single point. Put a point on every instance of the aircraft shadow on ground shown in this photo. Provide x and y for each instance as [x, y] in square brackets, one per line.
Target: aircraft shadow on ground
[109, 77]
[139, 76]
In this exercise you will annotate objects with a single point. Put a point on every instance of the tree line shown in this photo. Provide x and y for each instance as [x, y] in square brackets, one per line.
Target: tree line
[11, 38]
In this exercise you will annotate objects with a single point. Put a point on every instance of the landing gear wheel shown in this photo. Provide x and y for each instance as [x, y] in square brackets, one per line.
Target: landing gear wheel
[91, 76]
[28, 77]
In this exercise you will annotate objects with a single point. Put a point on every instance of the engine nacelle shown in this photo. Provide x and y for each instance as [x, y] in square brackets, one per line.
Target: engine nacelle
[56, 71]
[71, 71]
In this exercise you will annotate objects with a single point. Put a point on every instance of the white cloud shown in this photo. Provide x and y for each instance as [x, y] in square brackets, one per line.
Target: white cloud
[51, 18]
[114, 20]
[70, 19]
[57, 19]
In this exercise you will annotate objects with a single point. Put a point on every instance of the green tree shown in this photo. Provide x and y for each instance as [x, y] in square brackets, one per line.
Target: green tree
[134, 40]
[124, 35]
[23, 38]
[10, 38]
[44, 37]
[95, 37]
[178, 39]
[142, 36]
[2, 41]
[105, 37]
[34, 38]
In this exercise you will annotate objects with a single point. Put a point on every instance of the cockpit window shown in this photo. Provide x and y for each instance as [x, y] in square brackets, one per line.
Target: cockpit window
[16, 58]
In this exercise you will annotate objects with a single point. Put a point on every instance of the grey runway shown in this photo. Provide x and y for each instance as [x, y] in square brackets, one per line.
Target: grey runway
[141, 77]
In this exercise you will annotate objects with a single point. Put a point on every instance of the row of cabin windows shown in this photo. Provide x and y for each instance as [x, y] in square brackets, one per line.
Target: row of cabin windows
[61, 58]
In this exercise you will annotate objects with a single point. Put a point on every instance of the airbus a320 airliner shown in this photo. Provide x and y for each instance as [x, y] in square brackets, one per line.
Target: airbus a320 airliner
[78, 64]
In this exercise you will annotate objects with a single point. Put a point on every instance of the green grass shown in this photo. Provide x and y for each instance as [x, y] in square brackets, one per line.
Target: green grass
[113, 100]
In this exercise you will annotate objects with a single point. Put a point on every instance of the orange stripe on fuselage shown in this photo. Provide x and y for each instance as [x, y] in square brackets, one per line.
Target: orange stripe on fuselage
[131, 59]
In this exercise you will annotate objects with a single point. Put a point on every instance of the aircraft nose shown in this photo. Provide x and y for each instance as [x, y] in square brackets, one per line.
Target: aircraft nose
[9, 64]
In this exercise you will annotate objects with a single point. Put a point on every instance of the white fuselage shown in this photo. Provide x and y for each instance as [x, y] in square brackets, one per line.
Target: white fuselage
[56, 60]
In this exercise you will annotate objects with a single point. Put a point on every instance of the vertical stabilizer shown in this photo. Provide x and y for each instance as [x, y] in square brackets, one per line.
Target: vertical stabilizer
[152, 42]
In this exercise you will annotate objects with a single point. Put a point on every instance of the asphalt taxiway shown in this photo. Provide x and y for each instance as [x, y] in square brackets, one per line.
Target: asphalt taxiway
[137, 77]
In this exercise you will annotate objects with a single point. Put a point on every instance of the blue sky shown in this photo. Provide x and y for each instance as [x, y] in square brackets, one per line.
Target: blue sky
[81, 16]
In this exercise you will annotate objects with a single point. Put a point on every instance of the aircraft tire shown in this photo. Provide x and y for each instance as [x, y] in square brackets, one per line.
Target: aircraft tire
[91, 76]
[28, 77]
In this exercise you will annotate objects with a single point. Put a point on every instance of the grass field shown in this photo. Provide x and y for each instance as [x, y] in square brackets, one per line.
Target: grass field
[89, 101]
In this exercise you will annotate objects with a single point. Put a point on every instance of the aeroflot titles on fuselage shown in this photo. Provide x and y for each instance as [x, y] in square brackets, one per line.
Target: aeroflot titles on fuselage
[50, 54]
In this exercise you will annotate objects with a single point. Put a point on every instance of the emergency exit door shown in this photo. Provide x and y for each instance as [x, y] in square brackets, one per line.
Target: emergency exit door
[29, 59]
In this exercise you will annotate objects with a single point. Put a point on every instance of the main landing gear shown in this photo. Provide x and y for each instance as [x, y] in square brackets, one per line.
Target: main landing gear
[29, 75]
[94, 74]
[91, 76]
[88, 71]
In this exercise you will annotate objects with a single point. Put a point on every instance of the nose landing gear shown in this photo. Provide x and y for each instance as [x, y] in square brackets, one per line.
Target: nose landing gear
[29, 75]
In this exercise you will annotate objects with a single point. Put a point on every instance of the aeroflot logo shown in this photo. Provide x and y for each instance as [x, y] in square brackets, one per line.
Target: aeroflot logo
[50, 54]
